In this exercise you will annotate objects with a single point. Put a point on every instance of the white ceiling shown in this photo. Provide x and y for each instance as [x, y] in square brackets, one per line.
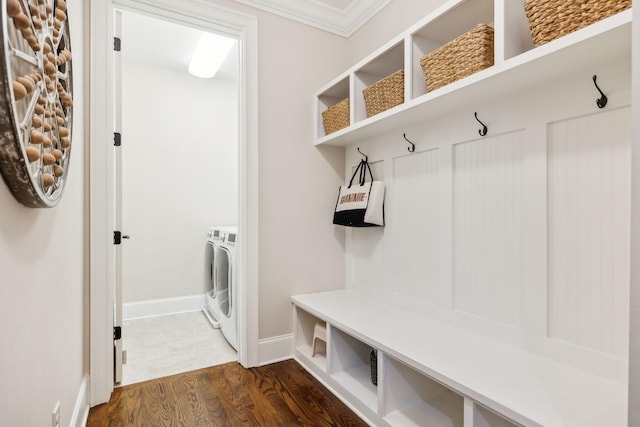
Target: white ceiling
[341, 17]
[165, 44]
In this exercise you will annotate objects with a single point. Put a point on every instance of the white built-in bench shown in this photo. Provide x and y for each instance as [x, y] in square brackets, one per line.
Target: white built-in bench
[433, 374]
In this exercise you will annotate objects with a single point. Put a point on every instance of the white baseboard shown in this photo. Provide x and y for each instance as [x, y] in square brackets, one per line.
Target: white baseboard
[275, 349]
[162, 307]
[81, 409]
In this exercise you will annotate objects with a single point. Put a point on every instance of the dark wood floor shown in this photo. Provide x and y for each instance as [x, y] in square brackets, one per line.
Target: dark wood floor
[281, 394]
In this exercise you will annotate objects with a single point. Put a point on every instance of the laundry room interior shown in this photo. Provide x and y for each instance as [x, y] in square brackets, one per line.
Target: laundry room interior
[179, 181]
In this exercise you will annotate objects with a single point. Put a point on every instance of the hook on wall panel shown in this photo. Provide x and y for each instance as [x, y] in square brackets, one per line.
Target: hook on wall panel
[413, 146]
[484, 129]
[602, 101]
[366, 159]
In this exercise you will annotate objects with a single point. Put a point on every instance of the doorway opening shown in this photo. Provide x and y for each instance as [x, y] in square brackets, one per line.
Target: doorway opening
[176, 181]
[101, 185]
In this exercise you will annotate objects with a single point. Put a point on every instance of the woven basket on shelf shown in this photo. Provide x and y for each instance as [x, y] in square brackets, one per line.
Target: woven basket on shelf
[550, 19]
[336, 117]
[384, 94]
[467, 54]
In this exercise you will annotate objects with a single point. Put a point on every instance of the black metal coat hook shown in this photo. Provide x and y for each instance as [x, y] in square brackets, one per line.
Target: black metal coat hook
[602, 101]
[413, 146]
[366, 159]
[484, 129]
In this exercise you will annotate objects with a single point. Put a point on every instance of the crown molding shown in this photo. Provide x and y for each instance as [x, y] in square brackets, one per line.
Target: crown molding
[343, 22]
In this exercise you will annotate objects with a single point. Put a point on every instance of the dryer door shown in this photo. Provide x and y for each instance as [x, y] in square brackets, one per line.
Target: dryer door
[223, 276]
[210, 255]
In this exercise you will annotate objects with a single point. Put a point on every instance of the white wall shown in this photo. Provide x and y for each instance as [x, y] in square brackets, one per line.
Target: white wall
[392, 20]
[42, 287]
[180, 176]
[521, 235]
[300, 250]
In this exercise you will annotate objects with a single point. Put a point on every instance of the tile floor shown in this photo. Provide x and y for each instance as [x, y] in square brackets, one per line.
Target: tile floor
[167, 345]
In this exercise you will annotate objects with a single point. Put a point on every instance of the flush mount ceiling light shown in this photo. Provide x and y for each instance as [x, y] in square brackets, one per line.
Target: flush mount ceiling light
[209, 55]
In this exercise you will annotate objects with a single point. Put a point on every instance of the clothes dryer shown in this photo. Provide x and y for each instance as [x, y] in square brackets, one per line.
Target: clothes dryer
[226, 274]
[211, 309]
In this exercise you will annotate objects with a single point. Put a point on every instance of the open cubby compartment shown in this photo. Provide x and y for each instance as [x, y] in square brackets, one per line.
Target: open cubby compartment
[386, 63]
[351, 367]
[413, 399]
[443, 25]
[516, 35]
[483, 417]
[330, 96]
[305, 324]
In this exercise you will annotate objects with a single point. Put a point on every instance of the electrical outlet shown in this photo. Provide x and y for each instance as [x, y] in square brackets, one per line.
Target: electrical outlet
[55, 416]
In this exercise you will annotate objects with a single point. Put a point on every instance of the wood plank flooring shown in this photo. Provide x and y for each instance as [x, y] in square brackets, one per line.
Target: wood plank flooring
[280, 394]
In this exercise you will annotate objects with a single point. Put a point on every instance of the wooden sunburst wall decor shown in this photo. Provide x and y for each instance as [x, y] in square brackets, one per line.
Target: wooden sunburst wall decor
[36, 99]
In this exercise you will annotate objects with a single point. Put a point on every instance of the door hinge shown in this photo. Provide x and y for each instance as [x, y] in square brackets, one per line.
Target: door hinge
[117, 333]
[117, 237]
[117, 139]
[116, 44]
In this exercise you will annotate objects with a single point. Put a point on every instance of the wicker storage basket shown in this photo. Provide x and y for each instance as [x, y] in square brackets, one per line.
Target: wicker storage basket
[384, 94]
[467, 54]
[336, 117]
[550, 19]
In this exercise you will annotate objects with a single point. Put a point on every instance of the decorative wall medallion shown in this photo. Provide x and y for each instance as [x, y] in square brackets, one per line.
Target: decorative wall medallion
[35, 100]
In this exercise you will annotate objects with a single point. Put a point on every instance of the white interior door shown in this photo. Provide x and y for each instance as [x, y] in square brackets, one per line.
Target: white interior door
[117, 306]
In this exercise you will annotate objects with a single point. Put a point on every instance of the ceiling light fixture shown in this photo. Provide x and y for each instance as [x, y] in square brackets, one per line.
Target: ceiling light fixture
[209, 55]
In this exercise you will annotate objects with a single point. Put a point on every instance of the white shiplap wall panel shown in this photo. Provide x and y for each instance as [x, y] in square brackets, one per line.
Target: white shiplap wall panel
[494, 222]
[487, 227]
[588, 213]
[417, 262]
[365, 248]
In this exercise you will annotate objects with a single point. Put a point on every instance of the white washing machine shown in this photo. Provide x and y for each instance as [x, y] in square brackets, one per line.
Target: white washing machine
[215, 237]
[225, 273]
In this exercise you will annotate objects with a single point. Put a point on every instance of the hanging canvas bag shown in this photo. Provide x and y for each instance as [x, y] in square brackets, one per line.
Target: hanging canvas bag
[362, 204]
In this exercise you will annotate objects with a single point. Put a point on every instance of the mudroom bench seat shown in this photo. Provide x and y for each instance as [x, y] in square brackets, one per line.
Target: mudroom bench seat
[431, 373]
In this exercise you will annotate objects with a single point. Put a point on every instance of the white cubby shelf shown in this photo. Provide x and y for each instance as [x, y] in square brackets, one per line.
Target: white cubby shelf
[518, 66]
[304, 325]
[432, 373]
